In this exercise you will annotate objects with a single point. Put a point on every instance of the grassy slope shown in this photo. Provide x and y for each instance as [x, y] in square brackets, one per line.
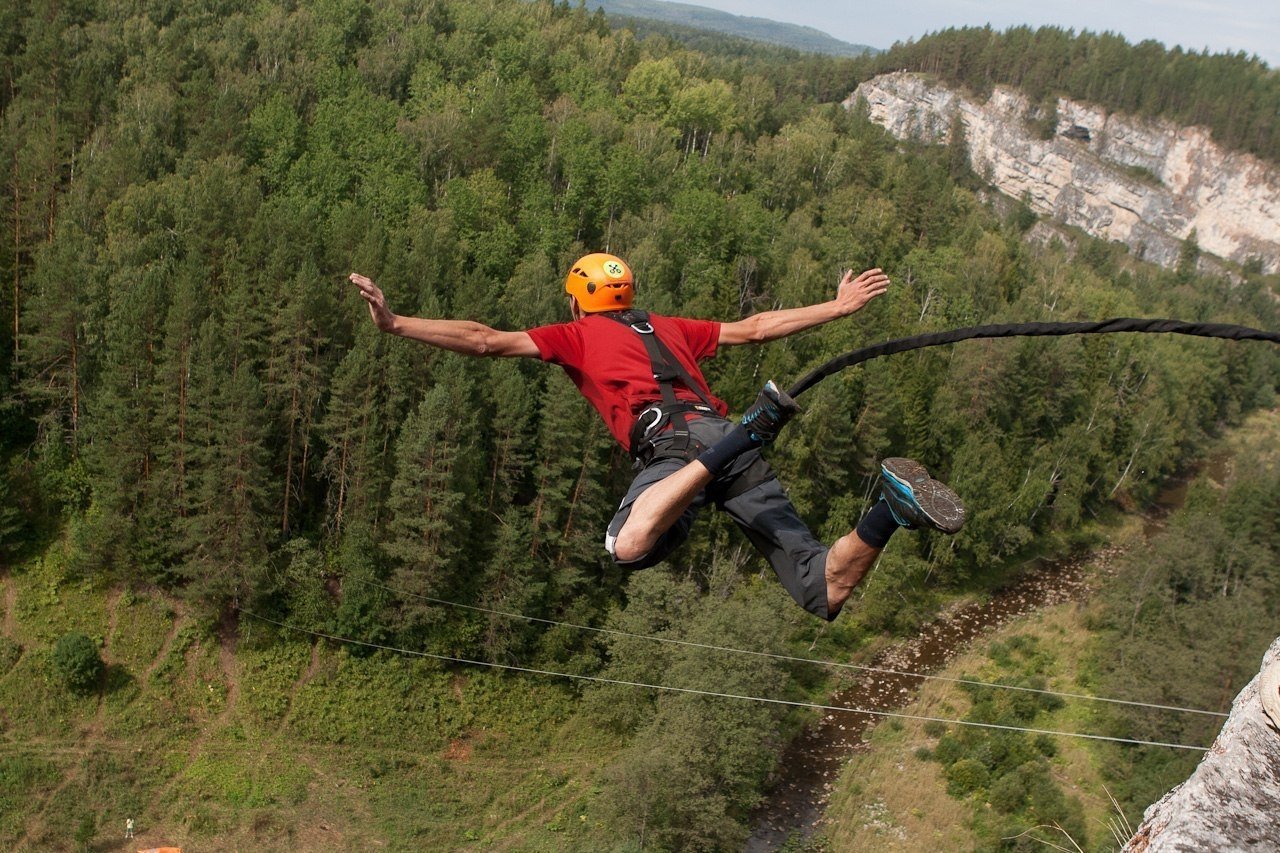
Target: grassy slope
[281, 747]
[888, 799]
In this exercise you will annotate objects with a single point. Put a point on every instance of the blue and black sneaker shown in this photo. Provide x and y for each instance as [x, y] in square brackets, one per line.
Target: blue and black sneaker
[769, 413]
[918, 500]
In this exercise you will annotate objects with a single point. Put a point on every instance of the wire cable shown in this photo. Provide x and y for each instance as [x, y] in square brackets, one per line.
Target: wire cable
[792, 658]
[692, 691]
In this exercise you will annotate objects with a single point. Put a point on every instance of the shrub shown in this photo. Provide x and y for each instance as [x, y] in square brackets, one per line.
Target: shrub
[949, 749]
[77, 660]
[1009, 793]
[966, 776]
[9, 654]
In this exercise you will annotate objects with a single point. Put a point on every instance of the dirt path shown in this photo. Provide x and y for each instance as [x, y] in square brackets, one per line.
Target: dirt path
[179, 621]
[10, 603]
[231, 674]
[312, 668]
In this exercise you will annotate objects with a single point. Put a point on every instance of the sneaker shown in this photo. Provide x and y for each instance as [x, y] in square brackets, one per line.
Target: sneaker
[918, 500]
[769, 413]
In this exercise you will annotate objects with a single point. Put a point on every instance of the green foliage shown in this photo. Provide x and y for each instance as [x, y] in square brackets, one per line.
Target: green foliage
[966, 776]
[191, 387]
[78, 662]
[696, 767]
[1006, 769]
[1188, 620]
[10, 651]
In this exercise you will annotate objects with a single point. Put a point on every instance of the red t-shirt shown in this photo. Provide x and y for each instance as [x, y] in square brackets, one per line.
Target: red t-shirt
[611, 367]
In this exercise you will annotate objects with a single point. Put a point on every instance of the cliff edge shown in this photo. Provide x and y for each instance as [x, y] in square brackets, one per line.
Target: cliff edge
[1148, 184]
[1232, 799]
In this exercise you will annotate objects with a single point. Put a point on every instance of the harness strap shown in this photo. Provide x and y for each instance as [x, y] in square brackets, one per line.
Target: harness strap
[666, 370]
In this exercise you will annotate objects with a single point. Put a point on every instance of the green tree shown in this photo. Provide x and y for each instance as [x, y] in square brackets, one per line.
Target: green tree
[78, 662]
[434, 502]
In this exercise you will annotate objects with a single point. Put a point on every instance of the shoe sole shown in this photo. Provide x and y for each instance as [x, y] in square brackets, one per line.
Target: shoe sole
[942, 507]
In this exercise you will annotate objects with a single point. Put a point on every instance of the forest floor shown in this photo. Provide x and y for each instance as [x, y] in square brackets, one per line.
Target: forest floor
[213, 740]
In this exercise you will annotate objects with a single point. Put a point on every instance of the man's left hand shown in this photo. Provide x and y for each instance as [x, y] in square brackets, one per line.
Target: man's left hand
[853, 293]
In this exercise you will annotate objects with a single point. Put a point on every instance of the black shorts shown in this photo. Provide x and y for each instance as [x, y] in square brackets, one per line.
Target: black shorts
[763, 512]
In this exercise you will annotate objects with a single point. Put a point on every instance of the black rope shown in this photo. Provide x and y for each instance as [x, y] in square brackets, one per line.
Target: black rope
[1008, 330]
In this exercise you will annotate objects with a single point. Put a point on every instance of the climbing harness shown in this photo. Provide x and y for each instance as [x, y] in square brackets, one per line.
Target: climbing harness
[672, 411]
[669, 419]
[1100, 327]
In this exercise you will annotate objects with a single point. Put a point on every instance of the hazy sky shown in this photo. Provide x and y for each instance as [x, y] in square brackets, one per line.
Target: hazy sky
[1252, 26]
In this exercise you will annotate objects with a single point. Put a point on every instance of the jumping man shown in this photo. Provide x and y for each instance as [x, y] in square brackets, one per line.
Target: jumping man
[640, 371]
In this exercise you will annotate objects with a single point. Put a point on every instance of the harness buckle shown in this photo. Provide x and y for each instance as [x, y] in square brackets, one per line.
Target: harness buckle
[647, 429]
[642, 327]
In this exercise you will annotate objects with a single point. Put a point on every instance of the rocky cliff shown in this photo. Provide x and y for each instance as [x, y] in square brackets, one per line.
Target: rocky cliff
[1147, 184]
[1231, 801]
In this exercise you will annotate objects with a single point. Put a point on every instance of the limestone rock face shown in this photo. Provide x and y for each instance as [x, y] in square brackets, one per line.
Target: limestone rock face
[1232, 800]
[1145, 183]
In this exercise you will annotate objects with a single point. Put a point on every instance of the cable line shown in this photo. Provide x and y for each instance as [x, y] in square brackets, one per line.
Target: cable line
[689, 690]
[1008, 330]
[791, 658]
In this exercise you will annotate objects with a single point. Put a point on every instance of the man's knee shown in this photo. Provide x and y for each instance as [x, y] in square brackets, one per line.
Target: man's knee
[625, 547]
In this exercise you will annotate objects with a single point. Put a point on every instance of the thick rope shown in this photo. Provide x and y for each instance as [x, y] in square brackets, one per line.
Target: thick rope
[1010, 330]
[1269, 692]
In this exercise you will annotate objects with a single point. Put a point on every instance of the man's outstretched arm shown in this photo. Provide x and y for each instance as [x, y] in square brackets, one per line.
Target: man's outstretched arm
[851, 295]
[461, 336]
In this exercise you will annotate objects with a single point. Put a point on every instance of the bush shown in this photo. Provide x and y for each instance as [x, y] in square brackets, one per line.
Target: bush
[9, 654]
[949, 749]
[966, 776]
[1009, 793]
[77, 660]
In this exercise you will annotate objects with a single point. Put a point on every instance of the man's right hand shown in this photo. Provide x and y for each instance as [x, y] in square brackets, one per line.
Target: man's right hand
[378, 310]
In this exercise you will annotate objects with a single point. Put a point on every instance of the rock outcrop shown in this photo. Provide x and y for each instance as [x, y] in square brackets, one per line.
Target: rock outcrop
[1147, 184]
[1232, 800]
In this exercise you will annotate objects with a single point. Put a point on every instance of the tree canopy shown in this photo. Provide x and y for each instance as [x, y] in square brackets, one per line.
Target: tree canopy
[192, 396]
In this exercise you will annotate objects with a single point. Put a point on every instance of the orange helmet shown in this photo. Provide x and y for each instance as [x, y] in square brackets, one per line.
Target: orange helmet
[601, 282]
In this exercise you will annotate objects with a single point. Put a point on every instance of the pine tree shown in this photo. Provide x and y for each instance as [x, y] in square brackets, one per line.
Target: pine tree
[294, 375]
[224, 539]
[434, 501]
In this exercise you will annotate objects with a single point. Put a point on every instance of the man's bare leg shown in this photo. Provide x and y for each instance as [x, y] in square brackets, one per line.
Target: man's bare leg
[662, 504]
[848, 562]
[657, 509]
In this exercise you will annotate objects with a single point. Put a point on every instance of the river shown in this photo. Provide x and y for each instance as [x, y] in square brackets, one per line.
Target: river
[813, 761]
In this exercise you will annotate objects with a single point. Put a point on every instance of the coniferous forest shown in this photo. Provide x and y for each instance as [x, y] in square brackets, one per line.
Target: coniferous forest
[193, 400]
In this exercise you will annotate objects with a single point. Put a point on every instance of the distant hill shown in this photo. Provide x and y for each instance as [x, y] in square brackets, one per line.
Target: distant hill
[793, 36]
